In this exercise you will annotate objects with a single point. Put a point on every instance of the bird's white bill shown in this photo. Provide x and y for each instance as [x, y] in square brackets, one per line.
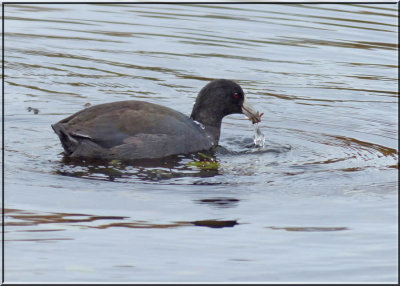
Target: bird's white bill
[251, 113]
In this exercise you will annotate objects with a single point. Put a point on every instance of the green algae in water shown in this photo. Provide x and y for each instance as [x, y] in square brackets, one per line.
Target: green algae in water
[204, 165]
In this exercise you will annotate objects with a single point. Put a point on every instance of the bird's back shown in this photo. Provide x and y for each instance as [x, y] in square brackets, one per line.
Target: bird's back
[130, 130]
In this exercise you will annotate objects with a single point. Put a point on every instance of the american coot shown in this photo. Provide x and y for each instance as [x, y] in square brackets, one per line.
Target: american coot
[133, 129]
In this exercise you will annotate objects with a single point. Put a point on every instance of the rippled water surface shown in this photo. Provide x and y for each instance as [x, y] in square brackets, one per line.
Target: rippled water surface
[318, 202]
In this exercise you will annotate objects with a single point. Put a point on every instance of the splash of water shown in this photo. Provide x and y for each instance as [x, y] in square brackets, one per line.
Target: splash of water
[259, 138]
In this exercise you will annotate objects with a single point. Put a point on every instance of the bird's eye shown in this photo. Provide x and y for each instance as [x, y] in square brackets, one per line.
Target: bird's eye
[235, 95]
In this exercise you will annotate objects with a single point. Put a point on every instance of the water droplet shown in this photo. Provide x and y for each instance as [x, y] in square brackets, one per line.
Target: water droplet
[259, 138]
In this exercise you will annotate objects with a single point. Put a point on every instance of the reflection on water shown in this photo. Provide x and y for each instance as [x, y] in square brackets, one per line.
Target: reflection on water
[64, 221]
[287, 228]
[220, 202]
[172, 167]
[197, 165]
[313, 191]
[56, 222]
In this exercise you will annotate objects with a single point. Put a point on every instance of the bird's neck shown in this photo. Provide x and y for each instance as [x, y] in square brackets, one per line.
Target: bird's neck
[213, 132]
[212, 125]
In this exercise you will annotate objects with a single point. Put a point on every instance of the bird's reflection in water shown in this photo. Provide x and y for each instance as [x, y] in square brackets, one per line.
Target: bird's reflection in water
[200, 165]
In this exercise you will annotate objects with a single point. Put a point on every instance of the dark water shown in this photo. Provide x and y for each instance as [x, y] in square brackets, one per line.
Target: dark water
[318, 203]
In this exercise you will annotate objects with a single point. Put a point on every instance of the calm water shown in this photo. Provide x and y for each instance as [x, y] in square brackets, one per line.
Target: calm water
[318, 202]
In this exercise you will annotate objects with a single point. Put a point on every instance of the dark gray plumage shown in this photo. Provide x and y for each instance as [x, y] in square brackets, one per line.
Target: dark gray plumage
[133, 129]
